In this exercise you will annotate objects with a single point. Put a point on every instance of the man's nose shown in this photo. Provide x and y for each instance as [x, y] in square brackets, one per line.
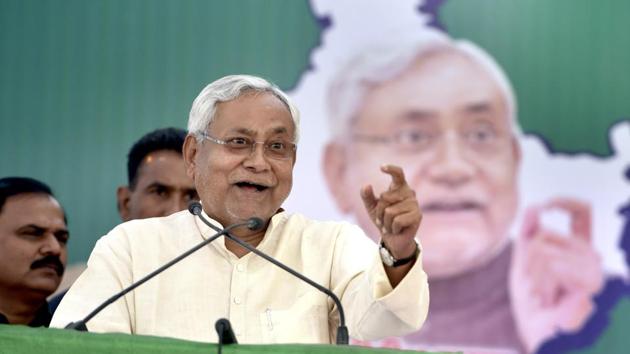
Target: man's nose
[257, 160]
[451, 166]
[51, 245]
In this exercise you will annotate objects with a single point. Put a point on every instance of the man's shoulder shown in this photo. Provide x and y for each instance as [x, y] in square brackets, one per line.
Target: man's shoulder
[140, 231]
[177, 220]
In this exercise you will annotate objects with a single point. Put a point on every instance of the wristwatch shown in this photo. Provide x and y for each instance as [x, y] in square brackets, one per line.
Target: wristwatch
[390, 261]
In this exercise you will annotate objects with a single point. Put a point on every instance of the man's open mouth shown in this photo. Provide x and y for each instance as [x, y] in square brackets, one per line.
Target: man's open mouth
[252, 186]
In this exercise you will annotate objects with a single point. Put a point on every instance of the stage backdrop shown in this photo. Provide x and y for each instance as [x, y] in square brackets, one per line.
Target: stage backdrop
[81, 81]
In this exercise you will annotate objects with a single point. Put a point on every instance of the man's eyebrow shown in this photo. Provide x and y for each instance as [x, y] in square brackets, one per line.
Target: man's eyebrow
[243, 131]
[249, 132]
[280, 130]
[40, 230]
[417, 115]
[157, 185]
[478, 107]
[37, 228]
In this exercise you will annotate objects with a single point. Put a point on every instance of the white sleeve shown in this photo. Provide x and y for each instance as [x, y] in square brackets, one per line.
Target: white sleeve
[373, 308]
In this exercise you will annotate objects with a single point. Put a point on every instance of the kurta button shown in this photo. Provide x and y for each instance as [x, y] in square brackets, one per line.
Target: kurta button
[240, 267]
[237, 300]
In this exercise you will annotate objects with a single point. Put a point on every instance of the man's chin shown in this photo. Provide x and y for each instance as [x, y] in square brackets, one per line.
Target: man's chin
[242, 215]
[46, 286]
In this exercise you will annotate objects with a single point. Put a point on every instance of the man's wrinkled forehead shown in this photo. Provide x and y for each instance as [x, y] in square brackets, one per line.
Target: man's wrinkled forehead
[269, 131]
[232, 123]
[482, 96]
[469, 61]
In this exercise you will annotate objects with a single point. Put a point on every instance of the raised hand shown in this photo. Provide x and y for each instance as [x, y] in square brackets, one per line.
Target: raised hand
[554, 277]
[395, 213]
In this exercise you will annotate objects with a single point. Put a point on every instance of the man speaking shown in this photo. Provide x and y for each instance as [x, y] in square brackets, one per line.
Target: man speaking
[240, 152]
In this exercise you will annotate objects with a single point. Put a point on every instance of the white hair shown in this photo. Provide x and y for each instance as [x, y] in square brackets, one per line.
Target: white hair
[229, 88]
[386, 58]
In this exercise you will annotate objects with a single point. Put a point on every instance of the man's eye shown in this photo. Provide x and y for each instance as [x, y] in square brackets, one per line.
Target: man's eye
[277, 145]
[414, 137]
[238, 142]
[481, 135]
[32, 232]
[160, 191]
[62, 237]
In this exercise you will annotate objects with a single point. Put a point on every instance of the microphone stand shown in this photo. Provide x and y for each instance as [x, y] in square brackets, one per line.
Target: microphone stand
[81, 324]
[342, 330]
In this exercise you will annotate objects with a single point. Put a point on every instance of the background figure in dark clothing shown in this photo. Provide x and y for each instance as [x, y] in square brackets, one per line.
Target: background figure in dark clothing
[33, 237]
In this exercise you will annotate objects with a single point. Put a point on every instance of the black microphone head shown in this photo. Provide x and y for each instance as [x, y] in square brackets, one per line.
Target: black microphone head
[255, 224]
[225, 332]
[194, 208]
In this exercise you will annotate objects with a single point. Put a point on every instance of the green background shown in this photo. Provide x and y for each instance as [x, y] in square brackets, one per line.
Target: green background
[80, 81]
[568, 60]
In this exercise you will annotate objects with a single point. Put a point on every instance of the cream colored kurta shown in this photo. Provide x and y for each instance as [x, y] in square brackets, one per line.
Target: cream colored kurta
[263, 302]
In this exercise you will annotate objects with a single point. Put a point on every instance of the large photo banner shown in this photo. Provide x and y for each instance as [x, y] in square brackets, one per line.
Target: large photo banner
[511, 121]
[515, 141]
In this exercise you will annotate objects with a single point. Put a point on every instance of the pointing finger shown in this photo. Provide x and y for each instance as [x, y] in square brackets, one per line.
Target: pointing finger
[397, 174]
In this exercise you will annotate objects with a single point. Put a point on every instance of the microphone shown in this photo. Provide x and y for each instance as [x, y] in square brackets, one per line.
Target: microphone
[255, 224]
[195, 209]
[81, 324]
[342, 330]
[225, 333]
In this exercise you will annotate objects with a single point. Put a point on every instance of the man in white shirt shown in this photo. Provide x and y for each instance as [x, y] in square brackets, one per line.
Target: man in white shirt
[236, 179]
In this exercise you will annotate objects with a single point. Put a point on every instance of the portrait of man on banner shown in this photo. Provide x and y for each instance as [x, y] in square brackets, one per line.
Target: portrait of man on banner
[445, 111]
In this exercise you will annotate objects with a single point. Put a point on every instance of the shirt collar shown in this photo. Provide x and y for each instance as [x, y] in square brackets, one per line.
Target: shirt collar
[207, 231]
[265, 245]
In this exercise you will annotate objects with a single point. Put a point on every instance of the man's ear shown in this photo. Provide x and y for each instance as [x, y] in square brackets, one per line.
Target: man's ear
[334, 165]
[123, 195]
[189, 152]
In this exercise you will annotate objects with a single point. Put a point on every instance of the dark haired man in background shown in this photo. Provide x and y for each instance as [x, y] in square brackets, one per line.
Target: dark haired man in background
[33, 237]
[158, 184]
